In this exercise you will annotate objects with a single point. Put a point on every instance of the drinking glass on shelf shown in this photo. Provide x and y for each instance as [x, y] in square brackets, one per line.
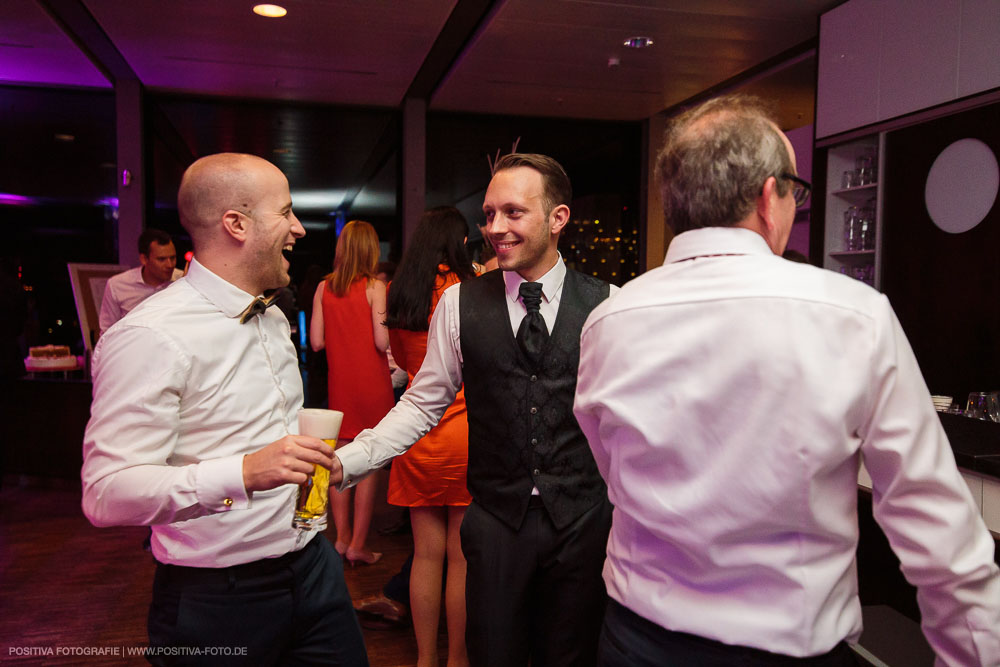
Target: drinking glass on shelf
[867, 222]
[865, 169]
[983, 405]
[993, 406]
[972, 407]
[849, 179]
[852, 229]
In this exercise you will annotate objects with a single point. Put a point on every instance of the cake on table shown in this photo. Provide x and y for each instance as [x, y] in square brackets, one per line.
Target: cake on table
[50, 358]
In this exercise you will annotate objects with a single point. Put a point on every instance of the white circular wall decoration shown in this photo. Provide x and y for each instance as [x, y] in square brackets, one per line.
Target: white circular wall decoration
[962, 185]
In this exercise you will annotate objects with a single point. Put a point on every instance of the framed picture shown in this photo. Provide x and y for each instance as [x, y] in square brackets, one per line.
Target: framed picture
[88, 282]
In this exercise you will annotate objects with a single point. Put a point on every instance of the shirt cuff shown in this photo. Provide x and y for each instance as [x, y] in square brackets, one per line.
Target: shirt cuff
[219, 484]
[354, 463]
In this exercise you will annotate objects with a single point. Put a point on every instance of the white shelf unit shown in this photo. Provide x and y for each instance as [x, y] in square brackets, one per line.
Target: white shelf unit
[861, 264]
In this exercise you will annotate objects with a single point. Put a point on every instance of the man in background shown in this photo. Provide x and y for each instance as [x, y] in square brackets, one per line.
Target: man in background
[729, 397]
[157, 269]
[193, 431]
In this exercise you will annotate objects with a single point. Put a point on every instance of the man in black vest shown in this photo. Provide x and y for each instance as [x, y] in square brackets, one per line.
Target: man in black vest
[536, 532]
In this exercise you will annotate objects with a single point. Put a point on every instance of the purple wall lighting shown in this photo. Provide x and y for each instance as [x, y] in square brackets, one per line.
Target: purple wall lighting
[16, 200]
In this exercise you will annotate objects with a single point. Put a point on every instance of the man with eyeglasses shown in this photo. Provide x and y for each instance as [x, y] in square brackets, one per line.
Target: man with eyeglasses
[729, 397]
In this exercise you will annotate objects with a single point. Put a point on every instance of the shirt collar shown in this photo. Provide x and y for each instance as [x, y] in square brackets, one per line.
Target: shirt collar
[709, 241]
[551, 282]
[229, 298]
[137, 276]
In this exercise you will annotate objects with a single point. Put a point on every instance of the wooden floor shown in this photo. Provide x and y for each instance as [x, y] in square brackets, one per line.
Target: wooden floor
[64, 583]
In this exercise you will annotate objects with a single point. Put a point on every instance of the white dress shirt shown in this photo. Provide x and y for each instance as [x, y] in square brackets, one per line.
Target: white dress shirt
[182, 391]
[125, 291]
[440, 376]
[728, 397]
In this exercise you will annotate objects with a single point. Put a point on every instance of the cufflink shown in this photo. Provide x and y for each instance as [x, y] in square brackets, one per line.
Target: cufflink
[228, 502]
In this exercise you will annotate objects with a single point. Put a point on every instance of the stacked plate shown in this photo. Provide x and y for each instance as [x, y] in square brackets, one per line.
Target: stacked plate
[941, 403]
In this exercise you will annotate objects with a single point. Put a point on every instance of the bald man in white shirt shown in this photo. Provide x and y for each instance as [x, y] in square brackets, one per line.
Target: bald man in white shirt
[194, 432]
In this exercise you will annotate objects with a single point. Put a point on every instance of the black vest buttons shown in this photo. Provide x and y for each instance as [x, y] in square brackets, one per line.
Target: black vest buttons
[536, 472]
[534, 441]
[534, 410]
[534, 378]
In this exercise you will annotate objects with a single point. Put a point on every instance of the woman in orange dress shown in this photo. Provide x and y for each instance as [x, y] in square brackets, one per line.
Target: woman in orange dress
[348, 320]
[430, 477]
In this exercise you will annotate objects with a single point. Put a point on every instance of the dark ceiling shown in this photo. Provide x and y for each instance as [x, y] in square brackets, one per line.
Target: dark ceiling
[318, 92]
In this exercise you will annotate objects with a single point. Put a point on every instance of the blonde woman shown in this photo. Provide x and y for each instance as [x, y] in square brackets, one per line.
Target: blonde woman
[347, 320]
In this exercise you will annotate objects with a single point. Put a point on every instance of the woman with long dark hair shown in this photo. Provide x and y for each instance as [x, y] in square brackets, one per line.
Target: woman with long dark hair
[347, 320]
[430, 477]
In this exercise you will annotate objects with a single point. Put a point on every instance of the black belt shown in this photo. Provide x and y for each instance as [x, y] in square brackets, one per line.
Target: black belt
[264, 567]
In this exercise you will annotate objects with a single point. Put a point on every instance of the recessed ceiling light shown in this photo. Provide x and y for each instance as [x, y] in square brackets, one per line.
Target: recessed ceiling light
[638, 42]
[270, 11]
[282, 151]
[65, 137]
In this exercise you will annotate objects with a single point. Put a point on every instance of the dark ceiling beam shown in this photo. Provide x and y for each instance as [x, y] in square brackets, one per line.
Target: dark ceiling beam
[74, 19]
[467, 20]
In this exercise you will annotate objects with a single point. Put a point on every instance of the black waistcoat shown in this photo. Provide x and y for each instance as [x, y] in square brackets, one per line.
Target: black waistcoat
[522, 431]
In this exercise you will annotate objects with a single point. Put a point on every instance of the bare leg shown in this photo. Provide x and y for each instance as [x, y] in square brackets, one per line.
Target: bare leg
[364, 505]
[429, 545]
[340, 507]
[454, 592]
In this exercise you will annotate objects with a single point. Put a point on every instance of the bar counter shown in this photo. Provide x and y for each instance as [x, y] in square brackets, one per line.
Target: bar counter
[976, 445]
[41, 431]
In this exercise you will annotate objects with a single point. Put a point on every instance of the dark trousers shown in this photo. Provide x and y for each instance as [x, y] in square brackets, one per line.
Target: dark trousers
[535, 593]
[398, 587]
[292, 610]
[629, 640]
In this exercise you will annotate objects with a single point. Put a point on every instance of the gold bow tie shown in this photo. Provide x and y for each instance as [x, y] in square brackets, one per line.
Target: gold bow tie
[257, 306]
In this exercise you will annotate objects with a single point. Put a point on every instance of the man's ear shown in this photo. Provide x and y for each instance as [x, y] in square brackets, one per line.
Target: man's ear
[766, 205]
[235, 224]
[143, 259]
[558, 218]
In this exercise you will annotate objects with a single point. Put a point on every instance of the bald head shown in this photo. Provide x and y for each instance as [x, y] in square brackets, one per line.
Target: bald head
[215, 184]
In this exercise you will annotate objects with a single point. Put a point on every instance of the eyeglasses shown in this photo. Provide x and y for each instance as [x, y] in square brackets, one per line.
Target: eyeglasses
[800, 188]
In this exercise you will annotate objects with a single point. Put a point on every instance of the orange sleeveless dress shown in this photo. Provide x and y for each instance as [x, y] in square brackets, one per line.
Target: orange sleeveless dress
[359, 383]
[432, 473]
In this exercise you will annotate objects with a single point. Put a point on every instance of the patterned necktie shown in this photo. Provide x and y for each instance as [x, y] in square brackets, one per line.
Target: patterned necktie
[532, 334]
[257, 306]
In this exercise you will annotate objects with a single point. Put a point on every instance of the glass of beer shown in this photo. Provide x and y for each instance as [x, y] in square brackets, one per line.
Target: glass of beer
[313, 498]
